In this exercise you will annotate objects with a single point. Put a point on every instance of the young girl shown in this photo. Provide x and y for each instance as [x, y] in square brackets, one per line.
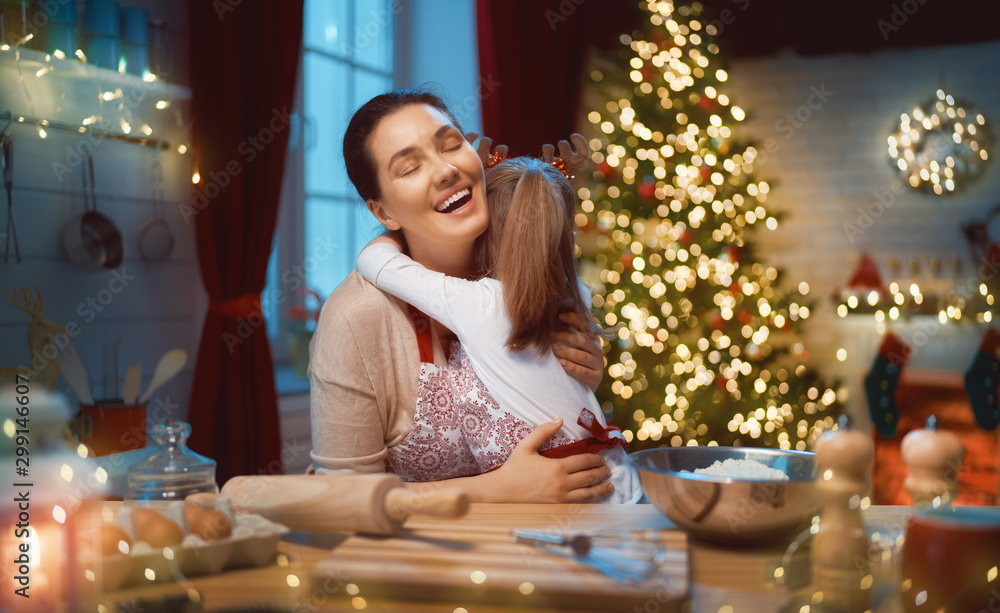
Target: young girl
[505, 320]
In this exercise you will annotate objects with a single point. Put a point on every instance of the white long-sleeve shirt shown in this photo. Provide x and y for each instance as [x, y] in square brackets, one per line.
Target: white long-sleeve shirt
[532, 386]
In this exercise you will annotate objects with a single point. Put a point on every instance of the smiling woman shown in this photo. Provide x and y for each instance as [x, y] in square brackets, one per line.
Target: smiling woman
[430, 167]
[382, 376]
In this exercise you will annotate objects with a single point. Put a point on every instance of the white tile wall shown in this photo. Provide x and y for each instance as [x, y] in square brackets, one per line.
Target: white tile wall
[836, 160]
[162, 305]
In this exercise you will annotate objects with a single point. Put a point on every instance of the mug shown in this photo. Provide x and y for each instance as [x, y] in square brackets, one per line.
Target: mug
[951, 560]
[111, 426]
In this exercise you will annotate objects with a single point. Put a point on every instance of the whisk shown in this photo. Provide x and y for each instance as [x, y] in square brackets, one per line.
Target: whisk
[626, 559]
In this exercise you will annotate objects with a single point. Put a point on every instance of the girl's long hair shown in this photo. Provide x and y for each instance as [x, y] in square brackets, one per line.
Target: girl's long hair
[528, 247]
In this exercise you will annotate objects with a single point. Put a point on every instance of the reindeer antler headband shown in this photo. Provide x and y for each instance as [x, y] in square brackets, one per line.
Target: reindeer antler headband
[570, 157]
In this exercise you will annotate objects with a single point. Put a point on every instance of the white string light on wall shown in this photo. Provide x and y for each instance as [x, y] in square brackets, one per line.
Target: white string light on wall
[941, 146]
[126, 128]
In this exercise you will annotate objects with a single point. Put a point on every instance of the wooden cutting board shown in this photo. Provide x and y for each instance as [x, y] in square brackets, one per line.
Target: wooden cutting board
[472, 560]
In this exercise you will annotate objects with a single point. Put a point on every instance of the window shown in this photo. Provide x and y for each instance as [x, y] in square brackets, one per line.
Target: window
[347, 57]
[351, 51]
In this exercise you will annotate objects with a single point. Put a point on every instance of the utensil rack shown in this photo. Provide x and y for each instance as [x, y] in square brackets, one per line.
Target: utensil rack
[105, 197]
[8, 116]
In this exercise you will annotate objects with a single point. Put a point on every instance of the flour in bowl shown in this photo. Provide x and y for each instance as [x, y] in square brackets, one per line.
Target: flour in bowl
[742, 469]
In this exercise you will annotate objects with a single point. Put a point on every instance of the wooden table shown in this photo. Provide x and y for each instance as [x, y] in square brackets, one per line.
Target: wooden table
[432, 566]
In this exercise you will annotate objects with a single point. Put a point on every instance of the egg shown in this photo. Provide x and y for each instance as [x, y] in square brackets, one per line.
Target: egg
[112, 540]
[209, 525]
[156, 529]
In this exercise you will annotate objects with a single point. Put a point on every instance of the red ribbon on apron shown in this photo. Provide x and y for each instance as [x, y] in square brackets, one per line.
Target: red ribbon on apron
[600, 440]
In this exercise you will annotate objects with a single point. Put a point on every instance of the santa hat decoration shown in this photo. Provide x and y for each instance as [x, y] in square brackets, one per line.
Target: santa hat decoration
[867, 277]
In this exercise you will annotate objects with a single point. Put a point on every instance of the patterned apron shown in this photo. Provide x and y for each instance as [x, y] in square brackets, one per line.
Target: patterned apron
[436, 448]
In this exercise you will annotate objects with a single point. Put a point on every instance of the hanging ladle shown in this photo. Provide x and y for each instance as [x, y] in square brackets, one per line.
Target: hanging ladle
[157, 239]
[92, 240]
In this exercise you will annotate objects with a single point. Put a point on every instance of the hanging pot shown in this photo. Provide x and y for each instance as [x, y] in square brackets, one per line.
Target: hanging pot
[92, 241]
[156, 242]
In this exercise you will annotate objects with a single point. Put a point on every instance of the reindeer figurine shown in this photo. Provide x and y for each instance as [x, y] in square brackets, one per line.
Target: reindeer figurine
[44, 365]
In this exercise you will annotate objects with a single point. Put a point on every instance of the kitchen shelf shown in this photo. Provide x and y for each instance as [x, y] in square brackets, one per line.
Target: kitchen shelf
[71, 96]
[72, 68]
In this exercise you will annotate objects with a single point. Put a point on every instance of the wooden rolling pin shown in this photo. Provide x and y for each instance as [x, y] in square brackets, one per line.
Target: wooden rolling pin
[375, 504]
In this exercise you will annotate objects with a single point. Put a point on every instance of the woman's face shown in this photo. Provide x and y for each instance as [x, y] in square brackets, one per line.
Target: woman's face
[432, 184]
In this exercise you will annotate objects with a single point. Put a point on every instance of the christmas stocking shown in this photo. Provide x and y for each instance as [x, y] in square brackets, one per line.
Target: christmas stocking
[881, 383]
[982, 380]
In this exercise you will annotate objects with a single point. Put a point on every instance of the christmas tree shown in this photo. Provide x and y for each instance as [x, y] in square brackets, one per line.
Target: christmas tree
[703, 348]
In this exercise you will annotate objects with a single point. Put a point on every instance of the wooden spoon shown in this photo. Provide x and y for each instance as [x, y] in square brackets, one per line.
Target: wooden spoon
[133, 379]
[170, 364]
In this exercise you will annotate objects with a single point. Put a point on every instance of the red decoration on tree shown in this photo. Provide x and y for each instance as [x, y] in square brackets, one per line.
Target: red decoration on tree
[705, 171]
[992, 256]
[717, 321]
[686, 238]
[626, 260]
[734, 254]
[607, 170]
[647, 191]
[707, 104]
[744, 316]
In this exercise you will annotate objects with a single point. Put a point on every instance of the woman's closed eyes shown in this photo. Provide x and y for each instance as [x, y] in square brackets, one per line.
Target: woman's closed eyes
[412, 169]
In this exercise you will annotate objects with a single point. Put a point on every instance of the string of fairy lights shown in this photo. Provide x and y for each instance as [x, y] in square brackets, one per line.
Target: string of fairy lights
[903, 301]
[693, 180]
[117, 100]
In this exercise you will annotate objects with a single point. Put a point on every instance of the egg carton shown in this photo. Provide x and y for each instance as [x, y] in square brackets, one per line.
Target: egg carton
[253, 542]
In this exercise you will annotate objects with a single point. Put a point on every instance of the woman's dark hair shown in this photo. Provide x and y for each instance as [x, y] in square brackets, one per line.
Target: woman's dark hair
[358, 158]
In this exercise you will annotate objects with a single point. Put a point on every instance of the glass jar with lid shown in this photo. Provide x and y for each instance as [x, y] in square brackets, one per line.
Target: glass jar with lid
[174, 472]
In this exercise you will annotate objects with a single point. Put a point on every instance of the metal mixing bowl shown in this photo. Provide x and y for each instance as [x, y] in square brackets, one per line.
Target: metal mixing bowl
[728, 510]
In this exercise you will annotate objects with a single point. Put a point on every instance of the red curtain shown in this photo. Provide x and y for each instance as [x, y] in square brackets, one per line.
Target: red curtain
[535, 50]
[244, 59]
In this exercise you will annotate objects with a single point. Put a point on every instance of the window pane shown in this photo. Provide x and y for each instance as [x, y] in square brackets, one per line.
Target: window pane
[325, 26]
[269, 300]
[328, 107]
[367, 85]
[371, 39]
[331, 242]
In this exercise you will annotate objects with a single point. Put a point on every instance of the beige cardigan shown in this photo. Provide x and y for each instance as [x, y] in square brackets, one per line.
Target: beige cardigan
[364, 367]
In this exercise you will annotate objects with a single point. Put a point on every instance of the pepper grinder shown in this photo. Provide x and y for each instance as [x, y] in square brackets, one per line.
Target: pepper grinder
[840, 546]
[934, 458]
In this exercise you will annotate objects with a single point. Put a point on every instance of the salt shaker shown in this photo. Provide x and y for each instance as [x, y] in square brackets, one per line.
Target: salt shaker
[934, 458]
[840, 547]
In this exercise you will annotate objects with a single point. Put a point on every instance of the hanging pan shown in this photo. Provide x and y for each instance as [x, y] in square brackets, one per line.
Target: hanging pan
[92, 241]
[157, 239]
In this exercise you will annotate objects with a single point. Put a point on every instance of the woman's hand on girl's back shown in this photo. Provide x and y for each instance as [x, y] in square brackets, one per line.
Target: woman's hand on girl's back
[579, 352]
[527, 476]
